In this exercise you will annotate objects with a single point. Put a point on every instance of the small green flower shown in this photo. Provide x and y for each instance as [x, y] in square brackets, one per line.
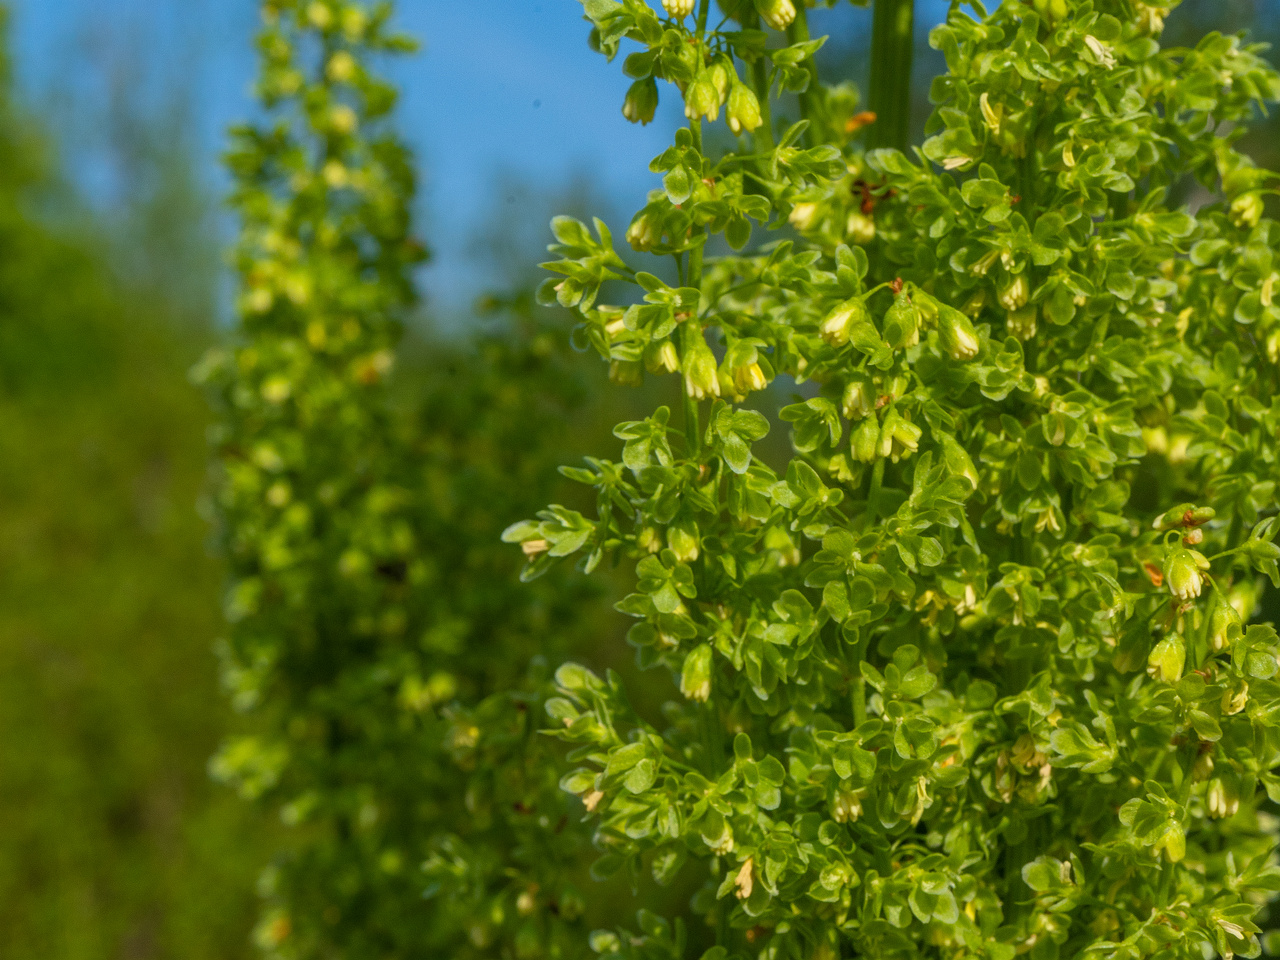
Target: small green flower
[641, 102]
[744, 109]
[778, 14]
[835, 329]
[956, 333]
[1167, 659]
[1184, 572]
[695, 677]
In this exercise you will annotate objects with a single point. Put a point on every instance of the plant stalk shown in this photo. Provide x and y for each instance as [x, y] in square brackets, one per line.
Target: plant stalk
[798, 32]
[892, 46]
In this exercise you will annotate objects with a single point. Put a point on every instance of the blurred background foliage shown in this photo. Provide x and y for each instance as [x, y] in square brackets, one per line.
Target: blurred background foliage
[113, 841]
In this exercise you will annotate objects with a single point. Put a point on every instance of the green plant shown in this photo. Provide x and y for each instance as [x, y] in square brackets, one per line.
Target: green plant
[974, 673]
[114, 842]
[375, 628]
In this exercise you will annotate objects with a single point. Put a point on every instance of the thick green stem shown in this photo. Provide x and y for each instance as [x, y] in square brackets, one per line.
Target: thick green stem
[873, 495]
[892, 45]
[763, 136]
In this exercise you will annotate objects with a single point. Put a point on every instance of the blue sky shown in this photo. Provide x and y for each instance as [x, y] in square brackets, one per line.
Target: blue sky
[501, 87]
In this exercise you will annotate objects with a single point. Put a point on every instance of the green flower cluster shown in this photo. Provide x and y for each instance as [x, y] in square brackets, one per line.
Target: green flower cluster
[974, 674]
[376, 628]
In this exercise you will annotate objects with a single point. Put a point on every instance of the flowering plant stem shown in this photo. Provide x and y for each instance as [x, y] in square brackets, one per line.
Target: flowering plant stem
[892, 51]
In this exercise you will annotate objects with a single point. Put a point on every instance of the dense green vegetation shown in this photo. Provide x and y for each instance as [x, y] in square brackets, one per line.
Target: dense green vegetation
[943, 526]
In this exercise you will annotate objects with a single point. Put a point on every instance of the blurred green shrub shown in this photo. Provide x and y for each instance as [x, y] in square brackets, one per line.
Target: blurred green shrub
[378, 632]
[113, 842]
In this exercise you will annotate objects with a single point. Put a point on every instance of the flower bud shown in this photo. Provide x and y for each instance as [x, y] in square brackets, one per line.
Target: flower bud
[778, 14]
[1224, 625]
[1051, 10]
[682, 538]
[860, 228]
[701, 99]
[836, 327]
[645, 231]
[627, 373]
[354, 22]
[1273, 346]
[343, 120]
[1150, 18]
[859, 399]
[803, 216]
[1183, 572]
[1013, 292]
[744, 109]
[1173, 841]
[718, 73]
[902, 323]
[679, 9]
[749, 378]
[724, 843]
[1202, 769]
[1235, 697]
[1022, 323]
[648, 540]
[319, 15]
[745, 881]
[342, 67]
[904, 437]
[847, 806]
[695, 678]
[1246, 210]
[865, 442]
[700, 380]
[641, 102]
[956, 333]
[975, 304]
[1184, 515]
[662, 357]
[1222, 798]
[1167, 659]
